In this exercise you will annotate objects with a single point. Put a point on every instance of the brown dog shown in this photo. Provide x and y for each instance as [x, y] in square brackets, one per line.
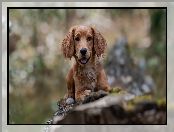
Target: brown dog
[86, 45]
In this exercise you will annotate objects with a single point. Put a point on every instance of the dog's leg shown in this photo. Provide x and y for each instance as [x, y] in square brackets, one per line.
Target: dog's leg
[70, 84]
[102, 83]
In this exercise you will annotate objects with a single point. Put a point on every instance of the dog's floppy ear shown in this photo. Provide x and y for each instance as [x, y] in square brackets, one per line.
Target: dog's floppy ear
[99, 42]
[68, 44]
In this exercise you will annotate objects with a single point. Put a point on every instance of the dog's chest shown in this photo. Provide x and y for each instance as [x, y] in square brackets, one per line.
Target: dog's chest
[86, 78]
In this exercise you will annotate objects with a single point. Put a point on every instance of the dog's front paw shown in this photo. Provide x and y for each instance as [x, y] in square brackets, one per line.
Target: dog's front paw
[87, 92]
[81, 96]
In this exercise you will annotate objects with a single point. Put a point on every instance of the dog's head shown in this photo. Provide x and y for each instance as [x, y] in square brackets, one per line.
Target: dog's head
[83, 42]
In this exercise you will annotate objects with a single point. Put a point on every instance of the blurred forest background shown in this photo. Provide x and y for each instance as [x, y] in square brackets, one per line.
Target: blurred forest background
[37, 68]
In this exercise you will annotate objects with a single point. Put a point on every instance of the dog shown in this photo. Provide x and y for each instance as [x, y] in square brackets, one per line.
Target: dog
[86, 45]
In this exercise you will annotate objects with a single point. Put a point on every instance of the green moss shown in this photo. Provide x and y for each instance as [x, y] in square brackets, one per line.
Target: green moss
[118, 90]
[161, 101]
[138, 99]
[130, 105]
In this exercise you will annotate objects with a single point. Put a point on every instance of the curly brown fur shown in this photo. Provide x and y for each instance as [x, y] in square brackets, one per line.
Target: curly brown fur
[68, 44]
[99, 43]
[86, 45]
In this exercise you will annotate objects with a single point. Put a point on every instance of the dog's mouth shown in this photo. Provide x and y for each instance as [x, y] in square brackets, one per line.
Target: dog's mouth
[84, 60]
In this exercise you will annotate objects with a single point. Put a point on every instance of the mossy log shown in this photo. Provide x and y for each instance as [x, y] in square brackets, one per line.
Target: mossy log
[120, 108]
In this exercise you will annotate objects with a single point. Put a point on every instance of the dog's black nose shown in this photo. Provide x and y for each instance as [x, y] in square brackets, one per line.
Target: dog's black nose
[83, 51]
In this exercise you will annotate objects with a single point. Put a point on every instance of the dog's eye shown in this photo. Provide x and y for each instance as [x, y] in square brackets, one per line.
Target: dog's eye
[89, 38]
[77, 39]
